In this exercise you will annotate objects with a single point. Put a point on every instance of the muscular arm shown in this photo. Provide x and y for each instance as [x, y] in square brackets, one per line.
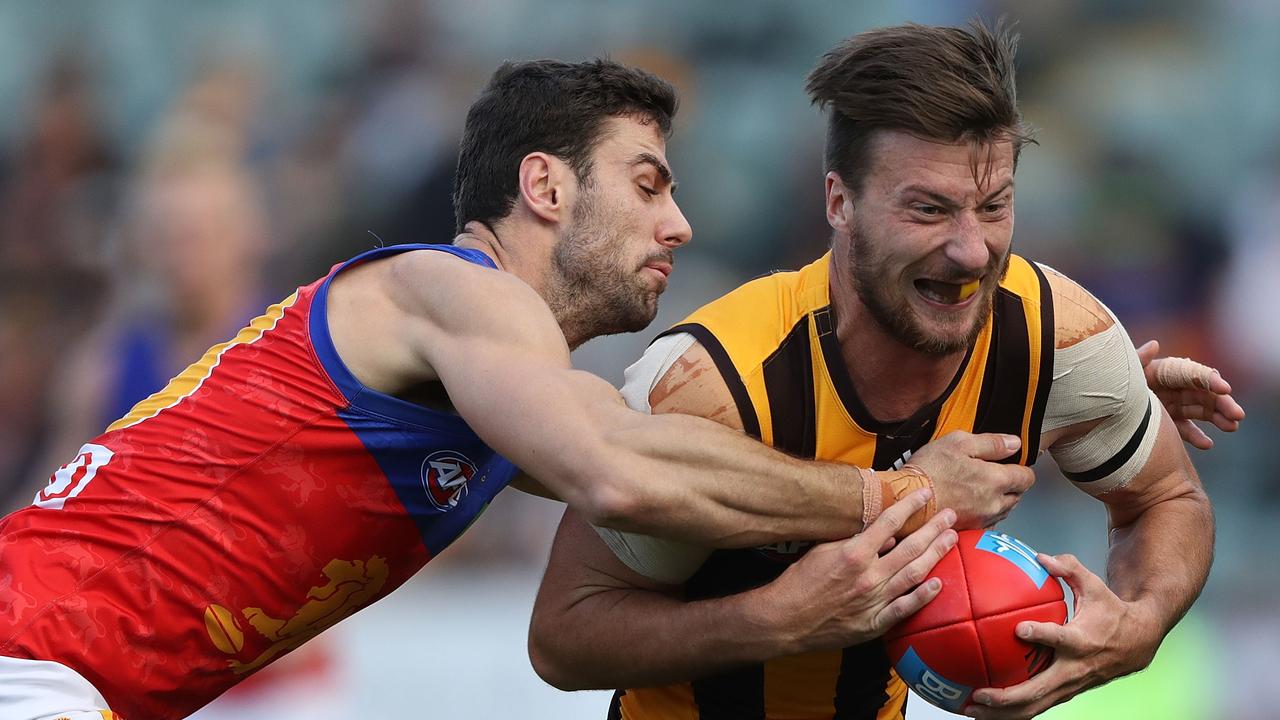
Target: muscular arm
[597, 624]
[1130, 457]
[498, 351]
[590, 605]
[1161, 543]
[1161, 523]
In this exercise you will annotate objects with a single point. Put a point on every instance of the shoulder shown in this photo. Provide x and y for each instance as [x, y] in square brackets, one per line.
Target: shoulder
[1098, 388]
[693, 385]
[431, 277]
[676, 374]
[450, 294]
[405, 318]
[1077, 314]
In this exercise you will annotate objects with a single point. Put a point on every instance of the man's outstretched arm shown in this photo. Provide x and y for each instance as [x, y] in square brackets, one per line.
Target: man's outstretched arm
[493, 343]
[495, 346]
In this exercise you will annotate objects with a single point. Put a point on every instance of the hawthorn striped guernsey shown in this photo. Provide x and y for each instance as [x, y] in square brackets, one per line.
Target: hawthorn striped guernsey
[774, 342]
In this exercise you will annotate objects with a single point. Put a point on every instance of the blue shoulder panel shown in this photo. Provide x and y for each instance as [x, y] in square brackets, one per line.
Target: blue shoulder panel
[443, 473]
[356, 393]
[444, 480]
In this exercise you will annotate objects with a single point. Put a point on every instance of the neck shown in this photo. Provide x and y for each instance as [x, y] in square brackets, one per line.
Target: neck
[531, 262]
[479, 236]
[892, 380]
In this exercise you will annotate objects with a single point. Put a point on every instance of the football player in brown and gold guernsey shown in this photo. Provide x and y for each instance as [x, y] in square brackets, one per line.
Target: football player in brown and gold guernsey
[919, 325]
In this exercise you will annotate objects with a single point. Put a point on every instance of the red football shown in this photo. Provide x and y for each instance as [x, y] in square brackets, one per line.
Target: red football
[964, 639]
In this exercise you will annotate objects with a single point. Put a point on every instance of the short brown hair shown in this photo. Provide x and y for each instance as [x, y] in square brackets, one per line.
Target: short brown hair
[939, 83]
[550, 106]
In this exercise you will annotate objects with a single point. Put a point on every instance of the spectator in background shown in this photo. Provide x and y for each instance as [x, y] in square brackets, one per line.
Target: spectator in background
[190, 274]
[56, 200]
[188, 271]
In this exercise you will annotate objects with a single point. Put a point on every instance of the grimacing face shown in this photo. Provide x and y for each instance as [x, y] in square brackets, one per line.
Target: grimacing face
[927, 242]
[615, 256]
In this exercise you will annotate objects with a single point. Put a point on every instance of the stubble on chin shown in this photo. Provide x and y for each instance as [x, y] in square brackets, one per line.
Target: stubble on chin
[903, 322]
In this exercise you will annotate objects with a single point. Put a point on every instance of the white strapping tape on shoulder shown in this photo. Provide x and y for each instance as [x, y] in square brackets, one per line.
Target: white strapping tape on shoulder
[666, 561]
[639, 379]
[1101, 377]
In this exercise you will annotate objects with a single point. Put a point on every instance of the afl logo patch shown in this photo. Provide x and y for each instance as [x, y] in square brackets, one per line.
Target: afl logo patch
[445, 474]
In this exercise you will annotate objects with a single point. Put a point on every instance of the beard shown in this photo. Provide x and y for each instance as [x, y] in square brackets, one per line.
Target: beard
[595, 291]
[891, 310]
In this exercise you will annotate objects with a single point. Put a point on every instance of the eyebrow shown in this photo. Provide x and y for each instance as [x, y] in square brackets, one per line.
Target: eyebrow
[664, 172]
[997, 192]
[946, 202]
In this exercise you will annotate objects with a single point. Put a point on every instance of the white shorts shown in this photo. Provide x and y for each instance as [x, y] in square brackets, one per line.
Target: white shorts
[43, 690]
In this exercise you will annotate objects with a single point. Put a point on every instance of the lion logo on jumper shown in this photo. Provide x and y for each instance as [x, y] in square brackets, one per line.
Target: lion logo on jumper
[352, 585]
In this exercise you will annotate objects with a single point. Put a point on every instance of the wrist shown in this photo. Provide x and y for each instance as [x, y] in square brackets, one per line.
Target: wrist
[882, 489]
[1147, 631]
[770, 623]
[873, 496]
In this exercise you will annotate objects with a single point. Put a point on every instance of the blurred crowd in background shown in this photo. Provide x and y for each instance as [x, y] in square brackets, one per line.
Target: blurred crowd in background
[167, 169]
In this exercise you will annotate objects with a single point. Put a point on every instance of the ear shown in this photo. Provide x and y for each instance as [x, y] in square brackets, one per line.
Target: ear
[839, 203]
[543, 185]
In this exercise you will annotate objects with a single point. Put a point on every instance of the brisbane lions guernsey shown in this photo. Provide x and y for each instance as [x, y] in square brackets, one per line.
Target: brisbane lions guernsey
[258, 499]
[774, 342]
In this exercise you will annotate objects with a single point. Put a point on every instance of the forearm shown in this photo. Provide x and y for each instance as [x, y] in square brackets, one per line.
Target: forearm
[669, 475]
[693, 480]
[620, 638]
[1160, 559]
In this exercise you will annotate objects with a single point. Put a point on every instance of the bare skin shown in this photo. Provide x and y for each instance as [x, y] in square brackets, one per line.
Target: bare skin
[499, 343]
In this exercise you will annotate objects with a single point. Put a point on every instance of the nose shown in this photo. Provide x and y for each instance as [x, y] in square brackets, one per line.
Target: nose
[967, 247]
[675, 230]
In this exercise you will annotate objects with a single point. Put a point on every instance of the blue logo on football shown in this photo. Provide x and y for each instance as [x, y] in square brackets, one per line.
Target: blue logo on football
[1016, 552]
[930, 685]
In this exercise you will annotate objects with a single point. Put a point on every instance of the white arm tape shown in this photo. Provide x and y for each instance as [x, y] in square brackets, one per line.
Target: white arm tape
[1101, 377]
[666, 561]
[1091, 379]
[643, 375]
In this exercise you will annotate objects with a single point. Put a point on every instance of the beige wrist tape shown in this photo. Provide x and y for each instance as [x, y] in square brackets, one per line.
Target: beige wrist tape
[886, 487]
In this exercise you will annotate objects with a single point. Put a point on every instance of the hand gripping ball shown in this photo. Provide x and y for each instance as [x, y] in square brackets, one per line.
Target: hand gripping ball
[964, 639]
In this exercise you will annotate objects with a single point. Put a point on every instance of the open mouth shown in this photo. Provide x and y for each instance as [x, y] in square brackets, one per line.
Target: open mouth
[946, 293]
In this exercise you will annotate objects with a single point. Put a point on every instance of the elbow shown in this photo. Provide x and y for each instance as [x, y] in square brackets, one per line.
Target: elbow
[612, 494]
[613, 504]
[549, 661]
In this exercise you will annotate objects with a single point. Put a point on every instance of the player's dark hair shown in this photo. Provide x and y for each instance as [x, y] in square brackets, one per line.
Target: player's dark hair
[546, 106]
[938, 83]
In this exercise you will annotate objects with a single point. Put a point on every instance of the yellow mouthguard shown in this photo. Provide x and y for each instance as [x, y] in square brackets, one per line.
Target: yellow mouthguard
[968, 289]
